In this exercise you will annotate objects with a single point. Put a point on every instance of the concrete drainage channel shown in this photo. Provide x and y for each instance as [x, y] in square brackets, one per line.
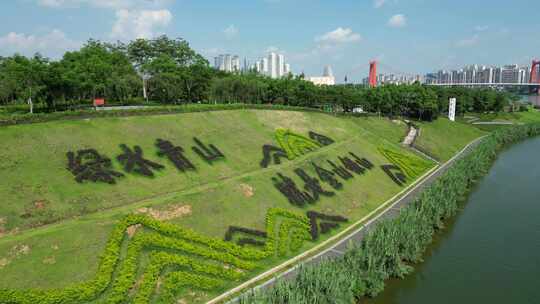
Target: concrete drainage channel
[391, 210]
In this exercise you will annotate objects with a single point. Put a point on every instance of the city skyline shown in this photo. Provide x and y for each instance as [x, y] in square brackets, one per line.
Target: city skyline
[509, 73]
[413, 36]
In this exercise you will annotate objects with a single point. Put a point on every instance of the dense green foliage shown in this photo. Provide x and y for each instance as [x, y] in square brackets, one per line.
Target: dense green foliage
[170, 72]
[391, 248]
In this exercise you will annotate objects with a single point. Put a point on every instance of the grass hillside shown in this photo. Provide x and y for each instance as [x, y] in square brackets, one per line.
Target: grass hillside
[55, 232]
[444, 138]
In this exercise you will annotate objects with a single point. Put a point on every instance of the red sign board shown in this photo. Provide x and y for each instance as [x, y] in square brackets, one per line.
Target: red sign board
[99, 102]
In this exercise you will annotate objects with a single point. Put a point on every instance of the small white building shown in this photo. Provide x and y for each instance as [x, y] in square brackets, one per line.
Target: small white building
[327, 78]
[322, 80]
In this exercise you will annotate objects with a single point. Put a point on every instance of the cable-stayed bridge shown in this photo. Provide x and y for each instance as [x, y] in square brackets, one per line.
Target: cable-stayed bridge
[533, 84]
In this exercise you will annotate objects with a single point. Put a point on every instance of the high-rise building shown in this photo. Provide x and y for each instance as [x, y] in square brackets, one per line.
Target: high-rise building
[235, 64]
[273, 65]
[264, 66]
[287, 69]
[227, 63]
[280, 65]
[510, 74]
[482, 74]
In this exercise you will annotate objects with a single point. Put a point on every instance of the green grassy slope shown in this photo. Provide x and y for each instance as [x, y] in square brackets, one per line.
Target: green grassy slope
[37, 188]
[443, 138]
[34, 160]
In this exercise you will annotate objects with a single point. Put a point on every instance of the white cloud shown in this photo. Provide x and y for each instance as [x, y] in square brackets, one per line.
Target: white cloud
[131, 24]
[113, 4]
[338, 36]
[230, 32]
[378, 3]
[274, 49]
[398, 20]
[467, 42]
[53, 43]
[481, 28]
[134, 18]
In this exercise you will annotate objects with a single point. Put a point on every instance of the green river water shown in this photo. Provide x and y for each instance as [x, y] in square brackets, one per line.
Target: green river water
[490, 253]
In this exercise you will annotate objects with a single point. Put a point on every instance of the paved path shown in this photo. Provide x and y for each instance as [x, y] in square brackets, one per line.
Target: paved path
[120, 108]
[356, 237]
[493, 123]
[411, 136]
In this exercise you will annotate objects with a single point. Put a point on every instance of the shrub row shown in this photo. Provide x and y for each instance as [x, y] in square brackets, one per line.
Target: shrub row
[245, 241]
[272, 153]
[325, 226]
[295, 145]
[321, 139]
[395, 173]
[389, 249]
[292, 234]
[89, 165]
[209, 153]
[160, 260]
[125, 279]
[412, 167]
[168, 237]
[13, 119]
[178, 279]
[293, 229]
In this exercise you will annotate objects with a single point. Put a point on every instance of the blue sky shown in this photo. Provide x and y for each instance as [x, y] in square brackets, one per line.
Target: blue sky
[407, 36]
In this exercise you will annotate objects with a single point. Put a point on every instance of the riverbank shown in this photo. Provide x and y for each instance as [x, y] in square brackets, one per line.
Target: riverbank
[393, 246]
[388, 210]
[471, 257]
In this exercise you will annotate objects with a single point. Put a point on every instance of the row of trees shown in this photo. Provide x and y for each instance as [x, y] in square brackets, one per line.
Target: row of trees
[169, 71]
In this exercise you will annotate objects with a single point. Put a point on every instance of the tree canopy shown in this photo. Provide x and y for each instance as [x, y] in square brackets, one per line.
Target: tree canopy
[172, 72]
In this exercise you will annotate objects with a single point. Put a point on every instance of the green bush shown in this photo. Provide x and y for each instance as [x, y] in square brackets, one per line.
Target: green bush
[295, 145]
[412, 167]
[205, 262]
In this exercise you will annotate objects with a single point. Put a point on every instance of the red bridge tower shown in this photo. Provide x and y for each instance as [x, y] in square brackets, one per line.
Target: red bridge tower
[373, 73]
[535, 77]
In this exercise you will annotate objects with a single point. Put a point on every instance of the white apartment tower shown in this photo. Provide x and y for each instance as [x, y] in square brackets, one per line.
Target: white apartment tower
[227, 63]
[287, 69]
[280, 65]
[264, 67]
[272, 65]
[235, 64]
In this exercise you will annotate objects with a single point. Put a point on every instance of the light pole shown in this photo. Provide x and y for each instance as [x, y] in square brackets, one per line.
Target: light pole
[30, 103]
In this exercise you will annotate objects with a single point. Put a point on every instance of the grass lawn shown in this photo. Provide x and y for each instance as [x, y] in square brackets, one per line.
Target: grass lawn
[530, 116]
[444, 138]
[37, 188]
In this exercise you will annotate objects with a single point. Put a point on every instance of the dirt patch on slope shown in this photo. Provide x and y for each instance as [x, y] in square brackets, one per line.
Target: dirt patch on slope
[246, 190]
[131, 230]
[15, 252]
[49, 260]
[169, 213]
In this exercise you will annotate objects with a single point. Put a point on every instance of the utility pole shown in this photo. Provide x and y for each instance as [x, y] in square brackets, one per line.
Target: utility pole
[145, 96]
[30, 102]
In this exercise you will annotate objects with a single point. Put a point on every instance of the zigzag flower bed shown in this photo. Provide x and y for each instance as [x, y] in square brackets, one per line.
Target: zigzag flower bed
[394, 245]
[183, 258]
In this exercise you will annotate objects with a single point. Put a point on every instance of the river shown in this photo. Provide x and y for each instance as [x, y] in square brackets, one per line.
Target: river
[490, 253]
